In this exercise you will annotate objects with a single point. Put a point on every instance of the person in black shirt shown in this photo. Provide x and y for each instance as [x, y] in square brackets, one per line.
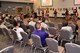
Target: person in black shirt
[67, 15]
[42, 13]
[55, 14]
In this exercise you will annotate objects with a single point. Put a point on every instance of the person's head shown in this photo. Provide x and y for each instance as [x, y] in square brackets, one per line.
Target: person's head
[16, 23]
[26, 16]
[38, 26]
[6, 15]
[55, 9]
[2, 19]
[75, 10]
[31, 19]
[66, 9]
[65, 23]
[39, 20]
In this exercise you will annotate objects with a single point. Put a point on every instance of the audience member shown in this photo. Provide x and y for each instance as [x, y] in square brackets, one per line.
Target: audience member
[18, 29]
[39, 20]
[2, 25]
[47, 20]
[66, 27]
[43, 24]
[43, 35]
[32, 23]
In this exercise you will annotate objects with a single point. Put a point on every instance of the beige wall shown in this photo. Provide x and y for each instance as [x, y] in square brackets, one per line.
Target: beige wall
[58, 4]
[16, 0]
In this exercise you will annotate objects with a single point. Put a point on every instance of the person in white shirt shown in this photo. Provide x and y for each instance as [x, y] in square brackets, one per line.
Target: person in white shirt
[42, 23]
[18, 30]
[2, 24]
[32, 23]
[69, 28]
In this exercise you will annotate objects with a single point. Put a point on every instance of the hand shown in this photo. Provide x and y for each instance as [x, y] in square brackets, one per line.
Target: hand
[51, 35]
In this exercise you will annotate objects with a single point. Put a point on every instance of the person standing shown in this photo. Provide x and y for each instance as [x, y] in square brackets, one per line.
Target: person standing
[55, 14]
[67, 15]
[75, 15]
[42, 13]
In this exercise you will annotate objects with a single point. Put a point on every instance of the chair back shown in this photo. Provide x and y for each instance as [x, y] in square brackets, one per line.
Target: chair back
[52, 31]
[72, 48]
[52, 44]
[60, 26]
[50, 24]
[14, 34]
[25, 37]
[31, 28]
[9, 49]
[64, 34]
[36, 41]
[73, 27]
[1, 31]
[6, 32]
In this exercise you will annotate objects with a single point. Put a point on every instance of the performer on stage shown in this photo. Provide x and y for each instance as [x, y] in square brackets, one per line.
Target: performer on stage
[42, 13]
[75, 16]
[67, 15]
[55, 14]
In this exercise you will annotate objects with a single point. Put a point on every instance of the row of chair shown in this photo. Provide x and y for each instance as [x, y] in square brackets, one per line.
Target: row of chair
[12, 36]
[51, 30]
[52, 46]
[63, 35]
[9, 49]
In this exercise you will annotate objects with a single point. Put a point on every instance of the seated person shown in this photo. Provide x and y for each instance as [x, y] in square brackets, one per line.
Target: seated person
[18, 30]
[2, 25]
[32, 23]
[43, 35]
[43, 24]
[66, 27]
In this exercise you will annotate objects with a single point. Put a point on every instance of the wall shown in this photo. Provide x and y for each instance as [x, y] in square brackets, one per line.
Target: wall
[11, 6]
[37, 4]
[16, 0]
[58, 4]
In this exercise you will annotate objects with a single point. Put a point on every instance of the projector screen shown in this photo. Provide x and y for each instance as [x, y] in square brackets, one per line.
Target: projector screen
[77, 1]
[46, 2]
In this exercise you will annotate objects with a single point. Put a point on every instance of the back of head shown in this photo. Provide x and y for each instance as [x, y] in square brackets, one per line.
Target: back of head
[16, 23]
[6, 15]
[65, 23]
[40, 19]
[26, 16]
[38, 25]
[31, 19]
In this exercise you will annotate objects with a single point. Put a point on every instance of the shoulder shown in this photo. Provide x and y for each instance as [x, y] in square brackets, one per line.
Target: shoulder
[19, 28]
[34, 32]
[14, 28]
[69, 27]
